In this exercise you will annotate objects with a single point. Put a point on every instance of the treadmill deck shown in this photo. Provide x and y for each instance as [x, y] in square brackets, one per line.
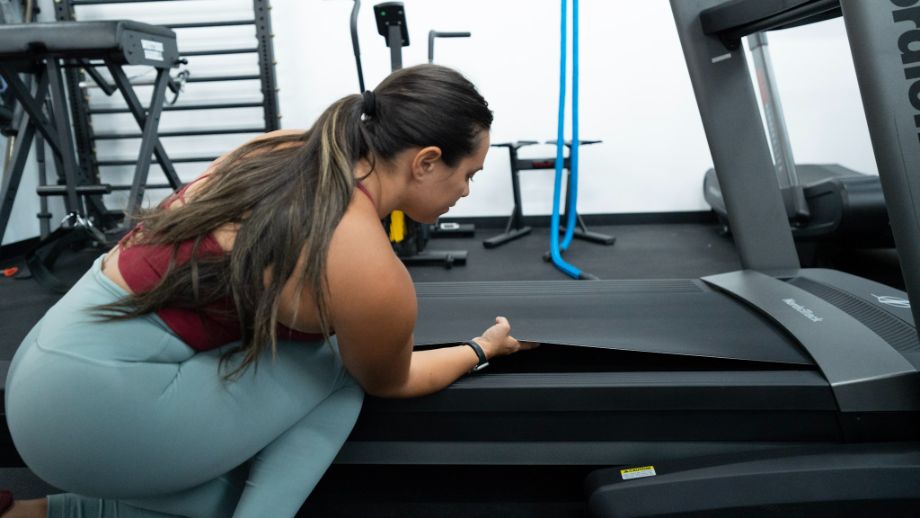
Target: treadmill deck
[671, 317]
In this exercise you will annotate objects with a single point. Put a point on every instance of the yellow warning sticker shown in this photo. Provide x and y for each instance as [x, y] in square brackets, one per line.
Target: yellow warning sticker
[641, 472]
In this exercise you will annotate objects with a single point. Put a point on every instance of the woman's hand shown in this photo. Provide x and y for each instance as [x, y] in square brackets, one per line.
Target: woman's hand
[497, 340]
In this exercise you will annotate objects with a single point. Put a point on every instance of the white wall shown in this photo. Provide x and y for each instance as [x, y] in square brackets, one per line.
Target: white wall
[635, 91]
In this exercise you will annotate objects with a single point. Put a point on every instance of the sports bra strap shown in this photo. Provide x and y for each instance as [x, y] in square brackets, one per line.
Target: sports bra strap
[363, 189]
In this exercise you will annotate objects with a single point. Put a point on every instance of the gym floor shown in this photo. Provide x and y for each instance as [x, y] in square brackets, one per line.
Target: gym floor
[650, 250]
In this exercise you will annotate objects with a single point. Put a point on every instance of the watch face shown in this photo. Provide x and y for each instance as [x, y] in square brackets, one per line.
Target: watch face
[480, 367]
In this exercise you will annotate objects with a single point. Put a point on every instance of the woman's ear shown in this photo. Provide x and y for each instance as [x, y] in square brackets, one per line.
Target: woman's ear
[425, 160]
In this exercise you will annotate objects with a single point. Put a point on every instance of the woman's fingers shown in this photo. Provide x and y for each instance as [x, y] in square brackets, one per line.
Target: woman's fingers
[528, 345]
[509, 344]
[524, 345]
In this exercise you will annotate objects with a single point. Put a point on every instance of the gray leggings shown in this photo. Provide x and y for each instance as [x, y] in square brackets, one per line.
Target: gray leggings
[133, 422]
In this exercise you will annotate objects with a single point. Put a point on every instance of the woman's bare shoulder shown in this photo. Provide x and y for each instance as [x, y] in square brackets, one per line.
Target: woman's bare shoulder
[360, 254]
[371, 299]
[362, 272]
[360, 239]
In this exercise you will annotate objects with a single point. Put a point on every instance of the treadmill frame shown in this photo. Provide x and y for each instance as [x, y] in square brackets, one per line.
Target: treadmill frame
[872, 387]
[878, 33]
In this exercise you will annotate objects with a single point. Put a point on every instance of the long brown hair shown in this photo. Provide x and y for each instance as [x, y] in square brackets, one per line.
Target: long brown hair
[288, 193]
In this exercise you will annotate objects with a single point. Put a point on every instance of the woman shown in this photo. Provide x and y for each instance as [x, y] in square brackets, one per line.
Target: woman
[193, 370]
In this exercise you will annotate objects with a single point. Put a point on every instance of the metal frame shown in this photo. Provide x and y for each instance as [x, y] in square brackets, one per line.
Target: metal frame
[267, 64]
[46, 113]
[783, 158]
[515, 228]
[882, 36]
[82, 112]
[47, 92]
[24, 135]
[82, 127]
[879, 36]
[732, 123]
[150, 142]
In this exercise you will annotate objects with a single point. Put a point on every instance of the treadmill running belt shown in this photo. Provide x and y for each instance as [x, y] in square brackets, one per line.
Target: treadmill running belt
[681, 317]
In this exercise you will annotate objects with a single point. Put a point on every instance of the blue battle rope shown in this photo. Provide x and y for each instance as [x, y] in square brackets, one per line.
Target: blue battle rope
[556, 248]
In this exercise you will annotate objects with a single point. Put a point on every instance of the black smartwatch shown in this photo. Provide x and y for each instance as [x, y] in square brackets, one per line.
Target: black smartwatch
[483, 361]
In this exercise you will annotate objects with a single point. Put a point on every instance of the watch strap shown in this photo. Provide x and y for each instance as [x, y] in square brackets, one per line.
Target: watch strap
[483, 361]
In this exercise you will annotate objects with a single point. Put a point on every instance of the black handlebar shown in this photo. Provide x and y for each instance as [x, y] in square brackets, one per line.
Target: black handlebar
[437, 34]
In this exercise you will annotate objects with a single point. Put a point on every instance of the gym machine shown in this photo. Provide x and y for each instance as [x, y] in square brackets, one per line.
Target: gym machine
[409, 238]
[515, 228]
[824, 202]
[448, 228]
[41, 49]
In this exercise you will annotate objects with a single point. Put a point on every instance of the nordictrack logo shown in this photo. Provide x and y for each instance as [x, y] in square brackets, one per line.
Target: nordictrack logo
[805, 312]
[908, 43]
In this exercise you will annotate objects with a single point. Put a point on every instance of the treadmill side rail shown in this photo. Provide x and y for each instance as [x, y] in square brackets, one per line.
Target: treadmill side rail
[865, 372]
[848, 480]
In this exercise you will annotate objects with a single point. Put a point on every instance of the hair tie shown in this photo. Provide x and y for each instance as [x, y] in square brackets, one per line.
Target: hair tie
[370, 104]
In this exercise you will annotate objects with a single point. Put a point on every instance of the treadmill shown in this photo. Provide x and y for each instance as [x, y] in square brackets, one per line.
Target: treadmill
[769, 377]
[824, 202]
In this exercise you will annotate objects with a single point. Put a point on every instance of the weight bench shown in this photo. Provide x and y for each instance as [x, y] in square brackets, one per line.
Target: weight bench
[515, 227]
[41, 51]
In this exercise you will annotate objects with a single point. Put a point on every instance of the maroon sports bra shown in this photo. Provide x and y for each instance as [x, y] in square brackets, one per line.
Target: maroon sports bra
[142, 266]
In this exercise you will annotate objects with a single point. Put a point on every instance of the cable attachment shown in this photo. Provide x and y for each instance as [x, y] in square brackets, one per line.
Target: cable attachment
[177, 84]
[76, 221]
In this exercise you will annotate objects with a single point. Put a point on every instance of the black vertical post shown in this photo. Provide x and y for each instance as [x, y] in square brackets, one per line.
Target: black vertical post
[566, 165]
[883, 39]
[353, 25]
[140, 116]
[264, 36]
[394, 41]
[44, 217]
[11, 180]
[82, 127]
[148, 141]
[62, 124]
[517, 215]
[55, 146]
[737, 141]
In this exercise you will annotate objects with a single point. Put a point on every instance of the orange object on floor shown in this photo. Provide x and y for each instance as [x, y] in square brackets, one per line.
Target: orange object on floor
[11, 271]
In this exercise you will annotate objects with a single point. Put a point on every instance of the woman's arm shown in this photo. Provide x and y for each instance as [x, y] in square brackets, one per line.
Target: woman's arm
[435, 369]
[373, 305]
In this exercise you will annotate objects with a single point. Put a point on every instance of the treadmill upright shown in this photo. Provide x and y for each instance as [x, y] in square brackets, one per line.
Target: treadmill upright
[824, 202]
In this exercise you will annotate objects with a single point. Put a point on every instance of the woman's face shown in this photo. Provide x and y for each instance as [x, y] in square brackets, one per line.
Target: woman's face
[440, 186]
